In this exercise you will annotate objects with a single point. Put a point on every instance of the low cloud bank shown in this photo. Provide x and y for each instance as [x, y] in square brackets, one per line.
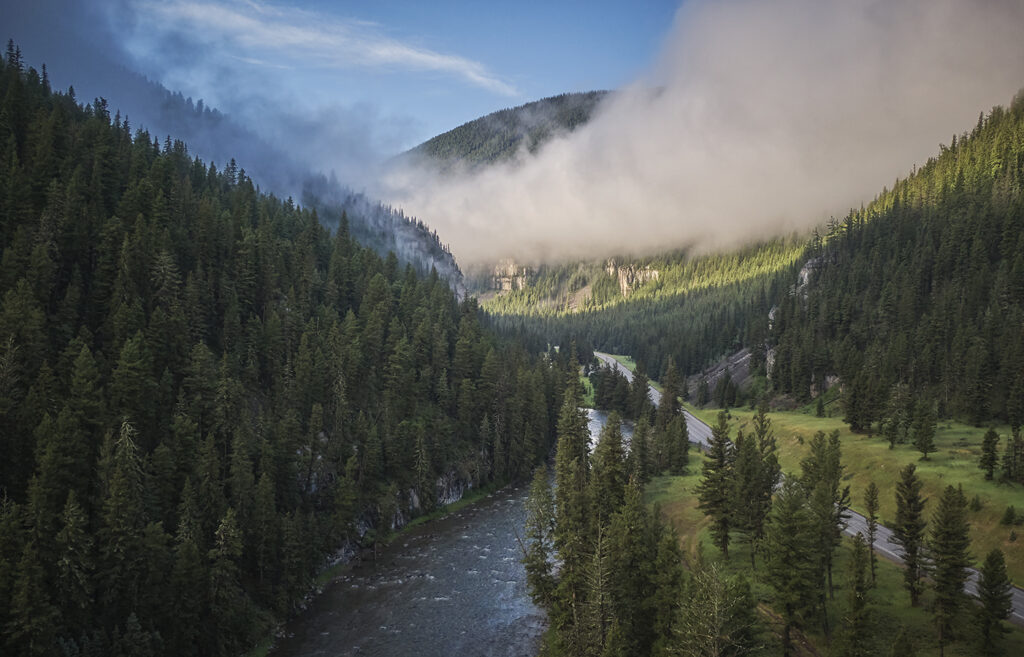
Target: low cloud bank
[760, 118]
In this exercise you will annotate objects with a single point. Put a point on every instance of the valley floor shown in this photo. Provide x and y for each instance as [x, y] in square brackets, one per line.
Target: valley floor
[867, 459]
[889, 603]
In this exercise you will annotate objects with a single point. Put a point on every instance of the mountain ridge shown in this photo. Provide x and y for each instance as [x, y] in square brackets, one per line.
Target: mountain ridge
[498, 136]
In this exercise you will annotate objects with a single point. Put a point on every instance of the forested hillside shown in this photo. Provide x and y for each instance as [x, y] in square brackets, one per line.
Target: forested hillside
[204, 393]
[500, 135]
[914, 301]
[695, 311]
[920, 295]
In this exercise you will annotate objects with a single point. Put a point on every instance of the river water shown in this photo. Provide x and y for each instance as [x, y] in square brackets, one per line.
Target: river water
[453, 586]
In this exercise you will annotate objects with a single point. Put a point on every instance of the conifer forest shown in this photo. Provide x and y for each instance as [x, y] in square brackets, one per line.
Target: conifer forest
[724, 361]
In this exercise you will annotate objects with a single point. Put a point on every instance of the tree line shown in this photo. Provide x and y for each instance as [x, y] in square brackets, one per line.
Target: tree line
[916, 300]
[617, 585]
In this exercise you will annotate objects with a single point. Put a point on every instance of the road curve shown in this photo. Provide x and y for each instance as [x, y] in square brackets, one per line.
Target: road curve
[700, 433]
[885, 544]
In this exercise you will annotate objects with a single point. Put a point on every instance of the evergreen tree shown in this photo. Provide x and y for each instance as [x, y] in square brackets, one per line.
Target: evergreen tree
[121, 536]
[948, 548]
[924, 430]
[608, 476]
[678, 442]
[1012, 460]
[822, 473]
[572, 521]
[632, 549]
[871, 506]
[425, 482]
[640, 399]
[34, 620]
[228, 603]
[599, 608]
[75, 565]
[748, 517]
[639, 452]
[715, 490]
[909, 529]
[668, 589]
[995, 594]
[855, 635]
[718, 616]
[792, 576]
[669, 407]
[540, 529]
[989, 453]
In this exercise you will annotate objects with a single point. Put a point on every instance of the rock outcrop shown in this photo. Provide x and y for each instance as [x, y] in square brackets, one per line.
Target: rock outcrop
[508, 276]
[630, 276]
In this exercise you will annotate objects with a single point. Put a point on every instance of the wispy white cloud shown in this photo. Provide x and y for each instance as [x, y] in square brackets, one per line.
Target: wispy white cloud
[256, 31]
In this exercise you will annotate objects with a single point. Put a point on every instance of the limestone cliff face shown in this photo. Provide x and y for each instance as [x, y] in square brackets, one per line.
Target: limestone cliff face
[630, 276]
[509, 276]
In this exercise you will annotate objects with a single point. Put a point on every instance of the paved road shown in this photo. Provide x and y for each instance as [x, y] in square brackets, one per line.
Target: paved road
[885, 544]
[700, 433]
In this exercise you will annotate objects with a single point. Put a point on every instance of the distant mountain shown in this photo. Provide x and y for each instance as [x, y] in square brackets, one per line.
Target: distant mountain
[499, 136]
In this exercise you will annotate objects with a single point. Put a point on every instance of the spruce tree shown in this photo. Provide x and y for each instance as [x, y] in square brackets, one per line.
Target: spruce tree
[540, 529]
[34, 620]
[74, 565]
[679, 445]
[718, 616]
[608, 476]
[995, 595]
[771, 471]
[948, 547]
[667, 578]
[572, 521]
[924, 429]
[715, 490]
[989, 453]
[121, 555]
[640, 399]
[599, 615]
[871, 506]
[669, 407]
[909, 529]
[632, 550]
[639, 452]
[792, 576]
[746, 496]
[854, 638]
[822, 473]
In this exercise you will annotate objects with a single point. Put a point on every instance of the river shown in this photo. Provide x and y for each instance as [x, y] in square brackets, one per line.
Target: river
[453, 586]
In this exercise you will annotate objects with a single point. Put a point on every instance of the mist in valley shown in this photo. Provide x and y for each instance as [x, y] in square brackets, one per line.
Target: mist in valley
[759, 118]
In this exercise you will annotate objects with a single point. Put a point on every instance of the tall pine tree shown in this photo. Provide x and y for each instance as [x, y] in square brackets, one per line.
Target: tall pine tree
[909, 529]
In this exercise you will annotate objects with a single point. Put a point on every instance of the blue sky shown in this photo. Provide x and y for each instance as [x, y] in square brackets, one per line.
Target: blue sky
[413, 68]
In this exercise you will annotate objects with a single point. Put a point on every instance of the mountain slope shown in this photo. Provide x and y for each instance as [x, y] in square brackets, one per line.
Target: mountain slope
[500, 135]
[921, 293]
[205, 394]
[216, 137]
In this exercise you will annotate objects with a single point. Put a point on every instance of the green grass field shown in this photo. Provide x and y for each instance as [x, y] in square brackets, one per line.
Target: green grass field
[870, 460]
[889, 602]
